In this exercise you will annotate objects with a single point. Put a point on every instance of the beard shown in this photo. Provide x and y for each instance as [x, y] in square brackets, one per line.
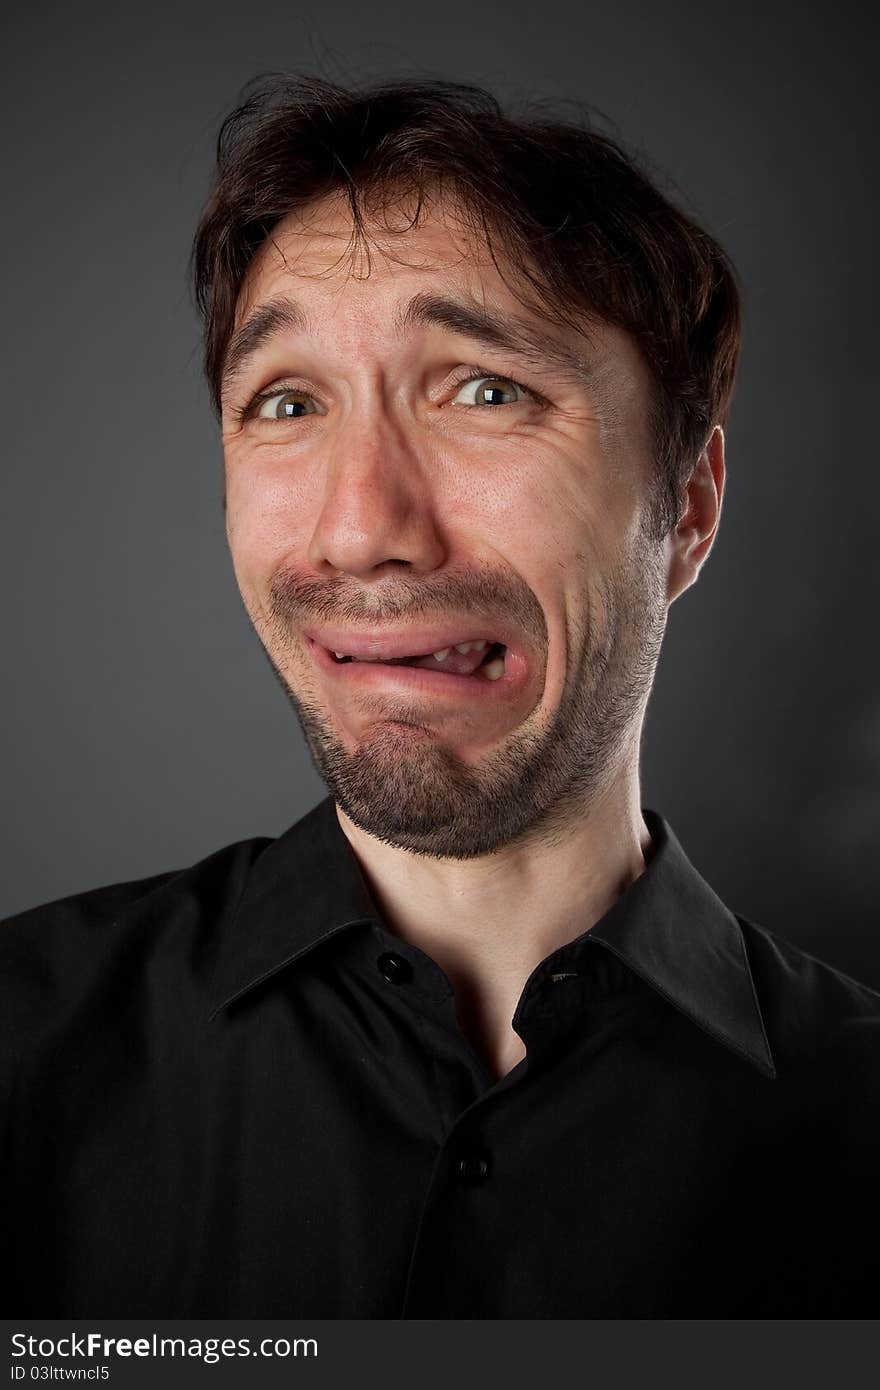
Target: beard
[403, 785]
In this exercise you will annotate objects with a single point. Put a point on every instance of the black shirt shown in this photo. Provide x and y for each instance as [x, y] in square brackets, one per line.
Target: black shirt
[232, 1091]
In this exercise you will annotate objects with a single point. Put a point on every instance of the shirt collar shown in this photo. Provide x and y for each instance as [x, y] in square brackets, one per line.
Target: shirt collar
[669, 927]
[672, 930]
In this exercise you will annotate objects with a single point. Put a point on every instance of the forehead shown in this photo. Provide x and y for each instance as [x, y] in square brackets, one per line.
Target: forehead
[319, 244]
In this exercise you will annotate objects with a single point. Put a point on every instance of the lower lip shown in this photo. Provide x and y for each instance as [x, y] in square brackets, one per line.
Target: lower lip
[417, 680]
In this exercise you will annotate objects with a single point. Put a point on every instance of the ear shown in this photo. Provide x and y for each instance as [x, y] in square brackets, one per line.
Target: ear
[689, 543]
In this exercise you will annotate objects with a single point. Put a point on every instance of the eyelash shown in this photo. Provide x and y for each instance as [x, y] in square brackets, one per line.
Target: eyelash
[478, 373]
[246, 412]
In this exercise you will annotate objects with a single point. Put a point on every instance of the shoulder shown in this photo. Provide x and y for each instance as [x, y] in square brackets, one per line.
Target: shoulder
[811, 1010]
[70, 948]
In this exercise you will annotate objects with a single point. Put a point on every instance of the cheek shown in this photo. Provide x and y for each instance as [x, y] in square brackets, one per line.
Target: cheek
[584, 508]
[266, 512]
[555, 515]
[519, 497]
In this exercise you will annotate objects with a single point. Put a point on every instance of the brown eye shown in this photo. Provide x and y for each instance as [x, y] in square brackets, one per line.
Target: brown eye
[491, 390]
[285, 405]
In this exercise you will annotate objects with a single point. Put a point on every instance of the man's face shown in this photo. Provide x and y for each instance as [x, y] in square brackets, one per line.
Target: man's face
[373, 491]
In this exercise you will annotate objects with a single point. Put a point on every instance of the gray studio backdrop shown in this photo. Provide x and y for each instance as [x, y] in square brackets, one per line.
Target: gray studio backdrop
[142, 728]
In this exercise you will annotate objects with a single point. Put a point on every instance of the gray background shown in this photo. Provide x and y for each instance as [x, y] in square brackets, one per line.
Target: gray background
[141, 725]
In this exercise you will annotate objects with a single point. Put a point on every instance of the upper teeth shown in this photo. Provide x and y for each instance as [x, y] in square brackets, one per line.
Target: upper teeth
[444, 651]
[461, 647]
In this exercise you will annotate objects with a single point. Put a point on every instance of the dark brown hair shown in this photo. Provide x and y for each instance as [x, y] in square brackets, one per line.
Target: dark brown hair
[571, 211]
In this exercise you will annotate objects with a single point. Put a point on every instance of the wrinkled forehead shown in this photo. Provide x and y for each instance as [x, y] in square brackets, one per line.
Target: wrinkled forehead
[324, 243]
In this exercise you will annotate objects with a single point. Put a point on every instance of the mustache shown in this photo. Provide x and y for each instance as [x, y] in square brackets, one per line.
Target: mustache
[297, 599]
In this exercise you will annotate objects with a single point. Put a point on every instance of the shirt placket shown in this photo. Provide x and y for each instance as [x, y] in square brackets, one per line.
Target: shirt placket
[466, 1094]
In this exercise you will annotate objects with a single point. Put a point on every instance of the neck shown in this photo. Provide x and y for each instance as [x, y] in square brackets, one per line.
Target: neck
[489, 922]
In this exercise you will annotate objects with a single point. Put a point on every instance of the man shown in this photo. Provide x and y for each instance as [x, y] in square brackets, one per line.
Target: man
[473, 1038]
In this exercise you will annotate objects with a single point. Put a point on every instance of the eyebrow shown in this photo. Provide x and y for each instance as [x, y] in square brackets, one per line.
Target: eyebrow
[525, 341]
[265, 323]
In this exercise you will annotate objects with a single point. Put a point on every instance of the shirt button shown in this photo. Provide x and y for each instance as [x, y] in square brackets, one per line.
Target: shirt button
[473, 1167]
[396, 969]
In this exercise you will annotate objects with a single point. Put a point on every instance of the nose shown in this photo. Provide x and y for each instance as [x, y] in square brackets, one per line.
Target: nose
[378, 507]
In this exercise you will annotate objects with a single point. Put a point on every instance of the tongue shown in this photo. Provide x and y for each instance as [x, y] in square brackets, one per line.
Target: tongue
[456, 663]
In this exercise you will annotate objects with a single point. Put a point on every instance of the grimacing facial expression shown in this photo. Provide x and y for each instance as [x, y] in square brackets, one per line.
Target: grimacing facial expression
[397, 473]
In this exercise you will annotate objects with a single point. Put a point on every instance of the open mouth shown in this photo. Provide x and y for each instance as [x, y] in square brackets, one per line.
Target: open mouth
[482, 659]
